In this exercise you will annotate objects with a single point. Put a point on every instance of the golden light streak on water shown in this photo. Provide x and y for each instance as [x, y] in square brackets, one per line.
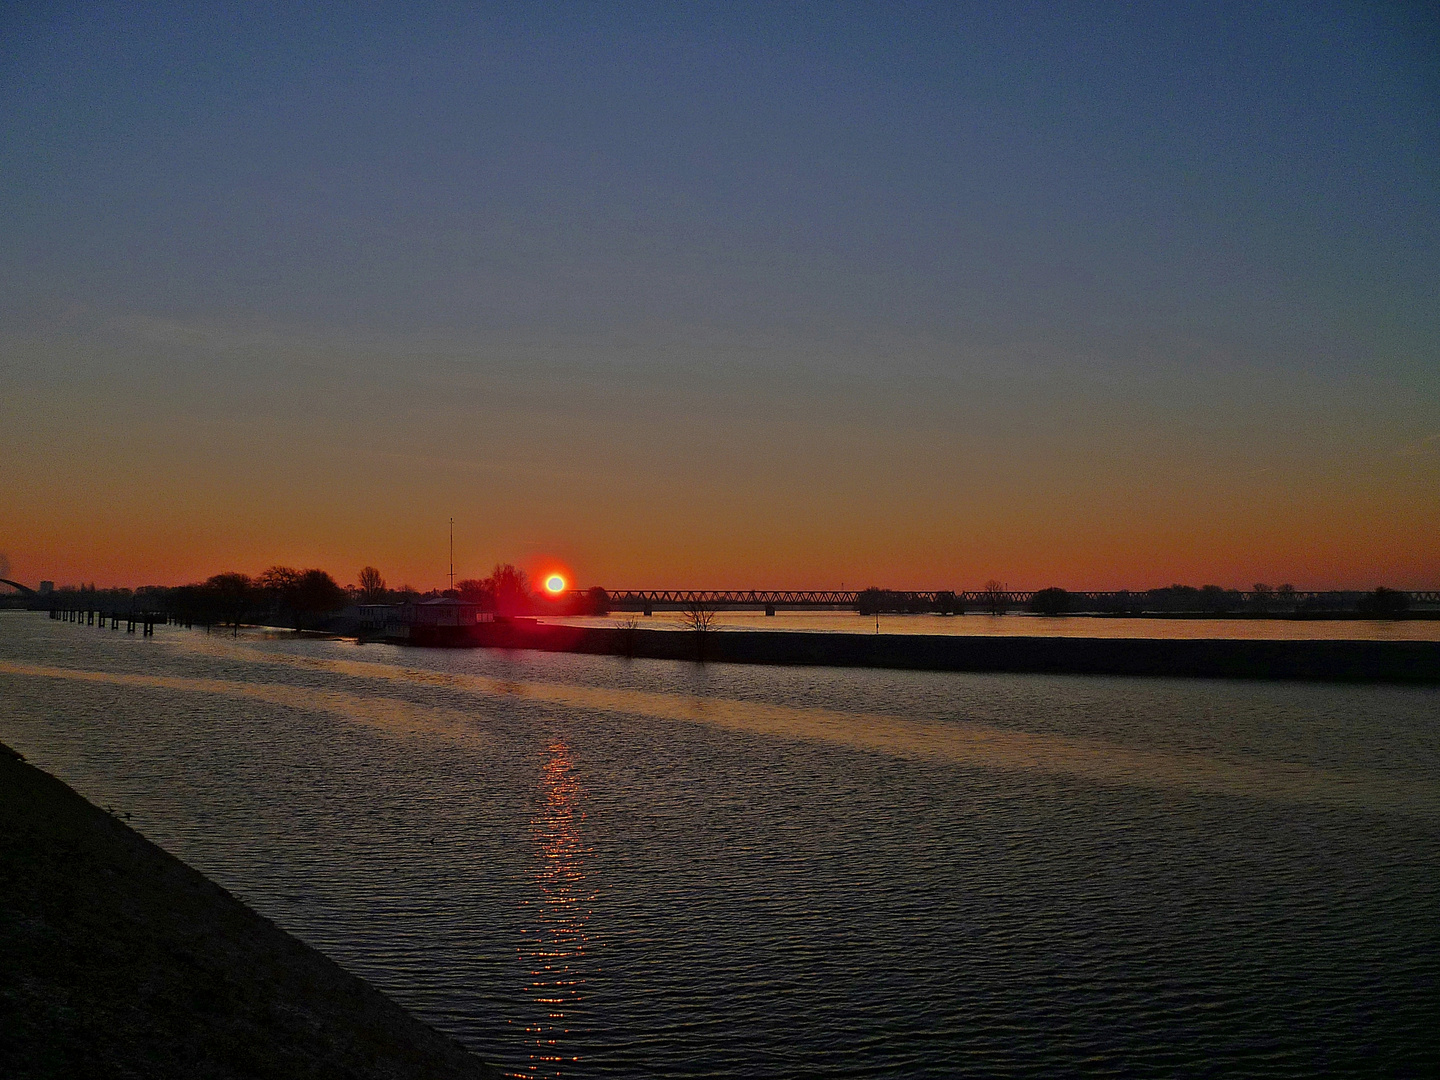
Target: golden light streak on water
[555, 947]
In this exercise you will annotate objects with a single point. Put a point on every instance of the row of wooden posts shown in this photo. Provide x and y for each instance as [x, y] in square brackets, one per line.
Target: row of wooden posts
[145, 621]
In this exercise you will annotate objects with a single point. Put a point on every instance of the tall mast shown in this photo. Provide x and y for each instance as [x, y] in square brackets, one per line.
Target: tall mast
[452, 554]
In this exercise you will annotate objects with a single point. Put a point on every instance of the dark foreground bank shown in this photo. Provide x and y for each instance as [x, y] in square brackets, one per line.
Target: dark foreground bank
[118, 960]
[1334, 661]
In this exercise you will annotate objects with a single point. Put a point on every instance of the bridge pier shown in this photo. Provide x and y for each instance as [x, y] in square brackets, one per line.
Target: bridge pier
[769, 609]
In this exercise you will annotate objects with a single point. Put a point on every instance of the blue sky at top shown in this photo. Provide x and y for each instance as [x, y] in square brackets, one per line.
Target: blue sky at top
[1217, 220]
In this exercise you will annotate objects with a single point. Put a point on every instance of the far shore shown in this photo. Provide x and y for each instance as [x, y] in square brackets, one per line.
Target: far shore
[1412, 661]
[1312, 660]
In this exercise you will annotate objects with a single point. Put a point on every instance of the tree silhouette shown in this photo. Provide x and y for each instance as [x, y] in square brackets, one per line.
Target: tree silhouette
[1384, 603]
[1051, 601]
[629, 630]
[509, 588]
[372, 585]
[232, 595]
[700, 619]
[993, 599]
[318, 594]
[302, 592]
[871, 601]
[280, 582]
[475, 591]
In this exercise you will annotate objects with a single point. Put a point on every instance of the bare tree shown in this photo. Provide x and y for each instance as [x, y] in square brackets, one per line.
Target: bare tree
[372, 585]
[993, 599]
[629, 628]
[699, 618]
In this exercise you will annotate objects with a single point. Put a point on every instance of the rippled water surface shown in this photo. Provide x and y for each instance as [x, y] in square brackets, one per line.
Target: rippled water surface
[588, 866]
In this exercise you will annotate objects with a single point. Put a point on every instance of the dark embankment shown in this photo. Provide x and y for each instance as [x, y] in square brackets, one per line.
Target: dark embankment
[118, 960]
[1335, 661]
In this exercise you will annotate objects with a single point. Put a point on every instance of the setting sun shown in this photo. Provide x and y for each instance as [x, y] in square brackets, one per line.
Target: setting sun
[554, 583]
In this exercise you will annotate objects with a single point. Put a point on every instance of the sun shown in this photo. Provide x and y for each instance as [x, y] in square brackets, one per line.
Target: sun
[554, 584]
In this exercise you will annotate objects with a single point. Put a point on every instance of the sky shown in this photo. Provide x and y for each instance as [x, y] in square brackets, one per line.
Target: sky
[723, 296]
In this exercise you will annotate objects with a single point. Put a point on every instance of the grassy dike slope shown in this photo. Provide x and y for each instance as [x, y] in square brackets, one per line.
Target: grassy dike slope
[118, 960]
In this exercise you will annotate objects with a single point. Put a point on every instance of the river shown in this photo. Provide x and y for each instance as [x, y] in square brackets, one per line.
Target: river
[593, 866]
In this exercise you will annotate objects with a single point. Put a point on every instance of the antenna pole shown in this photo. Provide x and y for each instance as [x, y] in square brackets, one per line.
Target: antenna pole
[452, 554]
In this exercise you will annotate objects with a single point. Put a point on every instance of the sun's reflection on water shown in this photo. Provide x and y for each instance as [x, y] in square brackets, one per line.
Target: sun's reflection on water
[556, 943]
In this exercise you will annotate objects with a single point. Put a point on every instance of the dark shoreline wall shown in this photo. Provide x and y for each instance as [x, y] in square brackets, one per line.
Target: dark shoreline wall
[1330, 661]
[118, 960]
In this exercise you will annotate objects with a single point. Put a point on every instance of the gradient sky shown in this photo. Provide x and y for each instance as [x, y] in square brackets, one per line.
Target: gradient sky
[723, 295]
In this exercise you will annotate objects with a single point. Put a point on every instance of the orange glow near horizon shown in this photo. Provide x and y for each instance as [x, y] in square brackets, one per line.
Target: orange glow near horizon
[691, 491]
[1234, 553]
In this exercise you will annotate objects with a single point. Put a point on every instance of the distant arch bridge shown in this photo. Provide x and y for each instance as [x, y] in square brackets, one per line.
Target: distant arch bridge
[795, 599]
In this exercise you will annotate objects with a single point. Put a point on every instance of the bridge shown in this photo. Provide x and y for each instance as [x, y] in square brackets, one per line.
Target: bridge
[16, 585]
[648, 600]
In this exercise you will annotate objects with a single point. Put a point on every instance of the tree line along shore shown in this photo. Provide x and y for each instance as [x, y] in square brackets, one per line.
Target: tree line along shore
[311, 598]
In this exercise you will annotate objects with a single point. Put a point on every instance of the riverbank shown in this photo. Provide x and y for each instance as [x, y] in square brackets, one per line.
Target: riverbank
[118, 960]
[1322, 660]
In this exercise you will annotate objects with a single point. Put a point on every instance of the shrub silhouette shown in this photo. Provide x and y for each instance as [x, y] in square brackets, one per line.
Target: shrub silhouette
[1384, 603]
[1051, 601]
